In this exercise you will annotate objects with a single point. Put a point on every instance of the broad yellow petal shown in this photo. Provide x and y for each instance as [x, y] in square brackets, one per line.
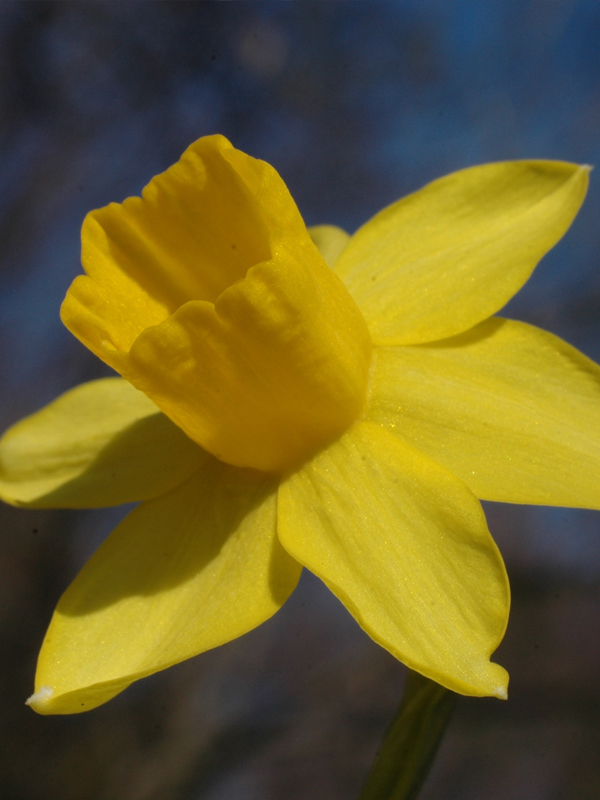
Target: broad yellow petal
[405, 546]
[330, 241]
[512, 410]
[100, 444]
[447, 257]
[181, 574]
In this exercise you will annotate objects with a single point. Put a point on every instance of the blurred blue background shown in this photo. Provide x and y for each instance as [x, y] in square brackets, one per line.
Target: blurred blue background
[355, 104]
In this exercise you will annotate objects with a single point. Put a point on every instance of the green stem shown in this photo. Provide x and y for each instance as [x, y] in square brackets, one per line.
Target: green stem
[410, 745]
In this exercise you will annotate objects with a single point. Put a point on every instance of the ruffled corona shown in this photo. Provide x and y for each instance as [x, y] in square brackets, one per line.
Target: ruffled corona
[240, 333]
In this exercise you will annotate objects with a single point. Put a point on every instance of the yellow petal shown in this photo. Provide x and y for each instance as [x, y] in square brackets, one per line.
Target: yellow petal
[447, 257]
[405, 546]
[330, 241]
[100, 444]
[260, 357]
[181, 574]
[512, 410]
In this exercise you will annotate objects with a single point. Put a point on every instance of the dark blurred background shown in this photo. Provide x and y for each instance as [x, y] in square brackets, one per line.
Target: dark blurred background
[356, 104]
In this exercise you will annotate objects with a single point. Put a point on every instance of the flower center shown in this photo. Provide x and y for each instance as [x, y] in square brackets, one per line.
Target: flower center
[276, 368]
[208, 295]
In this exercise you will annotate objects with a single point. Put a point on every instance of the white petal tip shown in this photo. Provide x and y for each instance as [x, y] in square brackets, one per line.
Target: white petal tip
[501, 693]
[40, 698]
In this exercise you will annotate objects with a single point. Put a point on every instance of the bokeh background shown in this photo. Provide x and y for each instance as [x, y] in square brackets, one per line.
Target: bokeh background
[356, 104]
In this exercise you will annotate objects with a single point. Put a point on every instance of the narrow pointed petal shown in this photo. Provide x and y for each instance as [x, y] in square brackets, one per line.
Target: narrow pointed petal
[181, 574]
[330, 241]
[405, 546]
[447, 257]
[512, 410]
[100, 444]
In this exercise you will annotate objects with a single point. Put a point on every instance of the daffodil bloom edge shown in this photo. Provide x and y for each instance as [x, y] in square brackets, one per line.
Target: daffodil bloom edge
[339, 407]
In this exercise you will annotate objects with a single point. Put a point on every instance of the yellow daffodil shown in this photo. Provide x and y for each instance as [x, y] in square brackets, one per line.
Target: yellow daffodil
[294, 398]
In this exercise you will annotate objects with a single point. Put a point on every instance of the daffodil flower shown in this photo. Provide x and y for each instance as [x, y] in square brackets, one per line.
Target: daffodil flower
[292, 398]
